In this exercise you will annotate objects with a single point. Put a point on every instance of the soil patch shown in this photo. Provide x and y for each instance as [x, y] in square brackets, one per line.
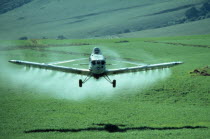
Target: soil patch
[201, 71]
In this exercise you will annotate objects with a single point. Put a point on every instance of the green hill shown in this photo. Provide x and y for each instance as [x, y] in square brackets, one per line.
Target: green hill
[104, 18]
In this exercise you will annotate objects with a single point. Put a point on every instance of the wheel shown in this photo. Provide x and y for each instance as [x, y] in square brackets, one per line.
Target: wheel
[114, 83]
[80, 83]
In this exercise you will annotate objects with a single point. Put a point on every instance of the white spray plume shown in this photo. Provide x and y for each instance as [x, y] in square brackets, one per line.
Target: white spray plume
[65, 85]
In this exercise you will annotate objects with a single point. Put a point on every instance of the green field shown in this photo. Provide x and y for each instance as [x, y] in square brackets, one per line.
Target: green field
[171, 103]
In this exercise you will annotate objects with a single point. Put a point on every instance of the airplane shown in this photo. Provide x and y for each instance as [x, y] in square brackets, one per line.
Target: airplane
[97, 67]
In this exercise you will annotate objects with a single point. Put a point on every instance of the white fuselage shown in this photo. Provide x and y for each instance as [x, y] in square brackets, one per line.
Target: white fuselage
[97, 63]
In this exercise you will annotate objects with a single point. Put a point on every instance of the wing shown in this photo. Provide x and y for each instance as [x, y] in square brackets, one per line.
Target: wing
[142, 68]
[128, 62]
[52, 67]
[66, 61]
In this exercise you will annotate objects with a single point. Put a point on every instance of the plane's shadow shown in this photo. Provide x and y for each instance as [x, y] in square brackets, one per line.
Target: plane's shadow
[111, 128]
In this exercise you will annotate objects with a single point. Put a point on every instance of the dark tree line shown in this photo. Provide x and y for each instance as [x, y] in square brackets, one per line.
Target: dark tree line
[196, 12]
[8, 5]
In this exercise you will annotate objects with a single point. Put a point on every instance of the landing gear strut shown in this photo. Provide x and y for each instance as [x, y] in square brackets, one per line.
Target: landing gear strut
[86, 79]
[110, 81]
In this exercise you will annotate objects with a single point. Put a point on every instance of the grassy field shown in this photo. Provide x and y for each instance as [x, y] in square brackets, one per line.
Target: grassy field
[35, 103]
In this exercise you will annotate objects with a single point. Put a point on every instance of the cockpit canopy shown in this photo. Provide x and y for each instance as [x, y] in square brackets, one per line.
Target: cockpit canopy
[96, 50]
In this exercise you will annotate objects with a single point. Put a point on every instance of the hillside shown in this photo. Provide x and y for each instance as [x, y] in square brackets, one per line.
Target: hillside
[104, 18]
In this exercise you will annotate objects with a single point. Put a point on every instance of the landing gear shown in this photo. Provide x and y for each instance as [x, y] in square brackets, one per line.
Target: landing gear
[86, 79]
[80, 83]
[105, 76]
[114, 83]
[110, 81]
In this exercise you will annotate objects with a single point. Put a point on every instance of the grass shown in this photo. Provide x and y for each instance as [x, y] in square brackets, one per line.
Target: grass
[175, 107]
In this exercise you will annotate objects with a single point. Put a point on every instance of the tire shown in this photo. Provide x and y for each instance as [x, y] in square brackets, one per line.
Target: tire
[114, 83]
[80, 83]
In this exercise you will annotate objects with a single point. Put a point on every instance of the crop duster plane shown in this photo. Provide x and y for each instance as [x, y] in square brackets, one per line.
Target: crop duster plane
[97, 67]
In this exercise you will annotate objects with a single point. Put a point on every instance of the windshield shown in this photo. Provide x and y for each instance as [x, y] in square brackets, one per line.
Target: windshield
[96, 51]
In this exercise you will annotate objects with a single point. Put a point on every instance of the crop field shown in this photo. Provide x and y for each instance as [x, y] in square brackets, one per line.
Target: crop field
[168, 103]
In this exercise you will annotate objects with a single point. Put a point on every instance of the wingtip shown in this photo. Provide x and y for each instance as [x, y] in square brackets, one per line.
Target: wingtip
[180, 62]
[11, 61]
